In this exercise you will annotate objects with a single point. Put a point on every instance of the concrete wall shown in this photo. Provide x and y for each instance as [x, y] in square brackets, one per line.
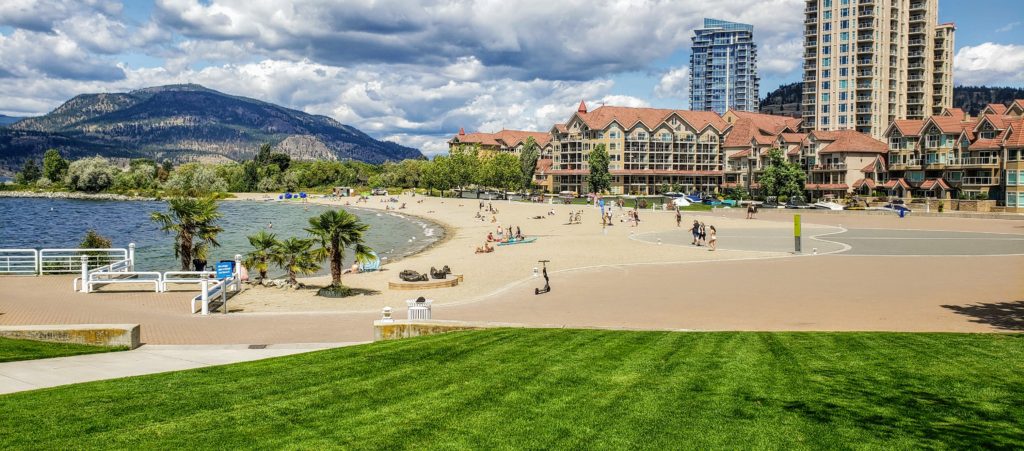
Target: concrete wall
[114, 335]
[398, 329]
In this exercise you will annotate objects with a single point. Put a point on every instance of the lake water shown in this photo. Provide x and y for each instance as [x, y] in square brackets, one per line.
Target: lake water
[59, 223]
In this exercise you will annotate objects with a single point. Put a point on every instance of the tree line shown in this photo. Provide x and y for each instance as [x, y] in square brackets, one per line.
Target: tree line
[270, 171]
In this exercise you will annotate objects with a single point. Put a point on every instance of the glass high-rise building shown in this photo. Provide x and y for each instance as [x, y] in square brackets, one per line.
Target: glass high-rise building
[870, 62]
[723, 68]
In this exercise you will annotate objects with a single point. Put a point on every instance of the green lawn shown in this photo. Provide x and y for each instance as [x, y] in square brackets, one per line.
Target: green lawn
[561, 389]
[12, 350]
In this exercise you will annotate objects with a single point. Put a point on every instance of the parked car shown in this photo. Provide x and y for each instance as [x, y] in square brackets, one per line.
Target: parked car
[771, 202]
[379, 192]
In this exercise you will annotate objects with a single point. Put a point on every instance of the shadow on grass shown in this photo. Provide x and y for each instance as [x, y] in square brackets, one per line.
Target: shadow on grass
[1001, 315]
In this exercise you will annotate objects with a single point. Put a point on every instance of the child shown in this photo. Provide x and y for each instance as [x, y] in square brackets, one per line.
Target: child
[713, 239]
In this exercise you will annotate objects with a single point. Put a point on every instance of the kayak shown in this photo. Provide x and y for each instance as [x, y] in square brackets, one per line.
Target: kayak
[523, 241]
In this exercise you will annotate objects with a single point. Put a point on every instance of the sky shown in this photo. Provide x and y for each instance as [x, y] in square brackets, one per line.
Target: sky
[415, 71]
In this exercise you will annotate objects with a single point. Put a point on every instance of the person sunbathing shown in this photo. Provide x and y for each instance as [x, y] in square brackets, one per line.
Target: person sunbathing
[485, 249]
[490, 237]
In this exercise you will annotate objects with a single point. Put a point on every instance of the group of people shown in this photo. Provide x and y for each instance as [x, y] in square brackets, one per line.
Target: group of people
[576, 217]
[501, 235]
[704, 235]
[633, 217]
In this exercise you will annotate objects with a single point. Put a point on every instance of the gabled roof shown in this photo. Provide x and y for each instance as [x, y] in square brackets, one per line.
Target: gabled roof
[894, 183]
[869, 182]
[629, 117]
[544, 165]
[508, 138]
[748, 126]
[999, 122]
[994, 108]
[793, 138]
[873, 166]
[1014, 135]
[740, 154]
[955, 112]
[947, 124]
[909, 127]
[850, 141]
[930, 184]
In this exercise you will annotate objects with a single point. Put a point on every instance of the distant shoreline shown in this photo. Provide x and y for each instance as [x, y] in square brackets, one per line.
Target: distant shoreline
[69, 195]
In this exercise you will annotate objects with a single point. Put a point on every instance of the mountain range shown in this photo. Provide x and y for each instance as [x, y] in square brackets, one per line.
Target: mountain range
[187, 123]
[785, 101]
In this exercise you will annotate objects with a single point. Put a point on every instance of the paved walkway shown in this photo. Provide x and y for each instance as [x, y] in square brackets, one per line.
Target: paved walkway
[149, 359]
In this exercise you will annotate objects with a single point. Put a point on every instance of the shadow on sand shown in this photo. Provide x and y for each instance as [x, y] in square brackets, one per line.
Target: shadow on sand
[1001, 315]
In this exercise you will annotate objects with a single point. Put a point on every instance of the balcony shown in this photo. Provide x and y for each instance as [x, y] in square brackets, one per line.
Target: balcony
[865, 38]
[979, 181]
[904, 165]
[865, 49]
[917, 18]
[916, 42]
[811, 21]
[864, 62]
[976, 162]
[917, 6]
[867, 12]
[863, 110]
[863, 98]
[828, 167]
[865, 73]
[863, 121]
[863, 85]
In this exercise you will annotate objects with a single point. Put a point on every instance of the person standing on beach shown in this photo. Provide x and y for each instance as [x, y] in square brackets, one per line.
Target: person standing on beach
[712, 239]
[679, 218]
[750, 210]
[696, 232]
[703, 235]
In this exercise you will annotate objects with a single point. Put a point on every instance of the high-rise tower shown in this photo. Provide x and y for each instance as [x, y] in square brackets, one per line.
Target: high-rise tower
[723, 68]
[869, 62]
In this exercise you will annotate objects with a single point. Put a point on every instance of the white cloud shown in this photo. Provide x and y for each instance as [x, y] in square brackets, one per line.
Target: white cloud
[674, 84]
[1008, 27]
[990, 63]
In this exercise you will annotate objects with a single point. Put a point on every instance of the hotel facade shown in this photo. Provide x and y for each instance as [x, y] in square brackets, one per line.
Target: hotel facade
[651, 151]
[868, 63]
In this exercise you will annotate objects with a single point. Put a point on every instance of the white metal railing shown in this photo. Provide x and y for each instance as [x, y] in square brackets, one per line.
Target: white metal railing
[69, 261]
[210, 289]
[977, 181]
[185, 277]
[19, 262]
[419, 310]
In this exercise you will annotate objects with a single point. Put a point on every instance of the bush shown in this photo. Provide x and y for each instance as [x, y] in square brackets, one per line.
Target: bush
[94, 240]
[91, 174]
[194, 179]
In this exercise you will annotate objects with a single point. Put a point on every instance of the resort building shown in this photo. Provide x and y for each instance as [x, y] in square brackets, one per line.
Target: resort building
[870, 63]
[504, 141]
[746, 145]
[841, 162]
[959, 155]
[650, 150]
[723, 68]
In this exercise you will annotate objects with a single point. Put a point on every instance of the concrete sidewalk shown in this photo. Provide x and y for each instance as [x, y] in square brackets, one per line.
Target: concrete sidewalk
[148, 359]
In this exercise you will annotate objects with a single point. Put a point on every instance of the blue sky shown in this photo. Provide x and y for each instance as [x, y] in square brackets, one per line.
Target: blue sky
[415, 71]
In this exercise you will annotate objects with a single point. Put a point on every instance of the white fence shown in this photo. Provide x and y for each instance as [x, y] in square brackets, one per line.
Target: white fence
[211, 289]
[19, 261]
[64, 261]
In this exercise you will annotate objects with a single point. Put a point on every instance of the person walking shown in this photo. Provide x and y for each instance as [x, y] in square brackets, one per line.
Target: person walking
[712, 239]
[750, 210]
[679, 218]
[703, 235]
[696, 232]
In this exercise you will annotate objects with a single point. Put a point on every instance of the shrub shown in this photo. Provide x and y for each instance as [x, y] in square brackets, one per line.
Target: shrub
[194, 179]
[91, 174]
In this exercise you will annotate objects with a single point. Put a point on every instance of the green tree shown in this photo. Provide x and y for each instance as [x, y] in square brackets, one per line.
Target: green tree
[528, 161]
[464, 166]
[781, 177]
[30, 172]
[338, 230]
[193, 221]
[600, 180]
[435, 174]
[259, 257]
[55, 167]
[296, 256]
[195, 179]
[263, 155]
[501, 171]
[91, 174]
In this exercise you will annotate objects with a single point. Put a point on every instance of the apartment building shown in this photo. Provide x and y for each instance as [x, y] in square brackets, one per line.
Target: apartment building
[959, 155]
[749, 138]
[843, 162]
[648, 149]
[511, 141]
[868, 63]
[723, 68]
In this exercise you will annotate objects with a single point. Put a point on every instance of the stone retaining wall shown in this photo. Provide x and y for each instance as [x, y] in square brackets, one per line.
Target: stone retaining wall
[114, 335]
[398, 329]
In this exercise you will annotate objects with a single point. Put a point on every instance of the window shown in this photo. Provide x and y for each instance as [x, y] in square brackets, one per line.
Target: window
[844, 24]
[842, 119]
[933, 141]
[827, 26]
[844, 37]
[824, 109]
[844, 72]
[825, 73]
[844, 60]
[826, 62]
[896, 142]
[844, 48]
[824, 121]
[842, 85]
[842, 109]
[1011, 178]
[824, 97]
[1011, 199]
[825, 85]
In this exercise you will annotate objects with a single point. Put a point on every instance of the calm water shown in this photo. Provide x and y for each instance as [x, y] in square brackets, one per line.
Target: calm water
[53, 223]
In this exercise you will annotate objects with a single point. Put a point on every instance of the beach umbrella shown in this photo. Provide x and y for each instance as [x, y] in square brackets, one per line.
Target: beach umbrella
[302, 195]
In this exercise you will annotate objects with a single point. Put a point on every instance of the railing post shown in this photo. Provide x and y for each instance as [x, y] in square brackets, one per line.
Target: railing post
[205, 286]
[85, 274]
[238, 272]
[131, 256]
[39, 263]
[224, 298]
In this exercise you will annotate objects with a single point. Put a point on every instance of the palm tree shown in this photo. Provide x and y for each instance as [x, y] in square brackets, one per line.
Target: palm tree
[193, 223]
[262, 248]
[297, 256]
[338, 230]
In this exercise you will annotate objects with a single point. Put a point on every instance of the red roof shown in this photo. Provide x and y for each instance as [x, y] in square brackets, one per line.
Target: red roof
[582, 108]
[997, 108]
[986, 144]
[544, 165]
[955, 112]
[793, 138]
[909, 127]
[507, 138]
[740, 154]
[869, 182]
[749, 126]
[1015, 134]
[850, 141]
[893, 183]
[871, 166]
[629, 117]
[929, 184]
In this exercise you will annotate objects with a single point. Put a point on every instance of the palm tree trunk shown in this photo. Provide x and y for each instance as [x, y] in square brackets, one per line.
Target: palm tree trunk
[185, 251]
[335, 262]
